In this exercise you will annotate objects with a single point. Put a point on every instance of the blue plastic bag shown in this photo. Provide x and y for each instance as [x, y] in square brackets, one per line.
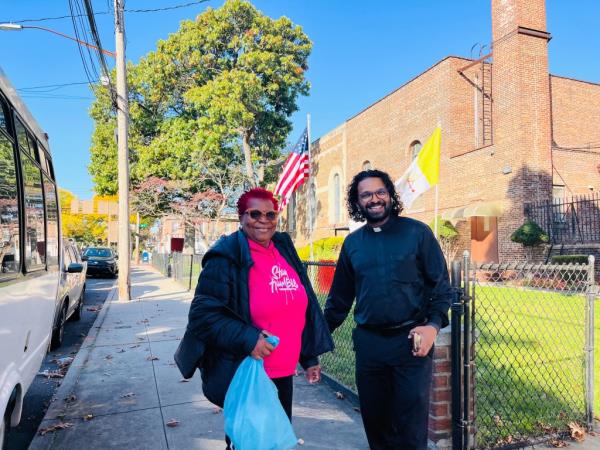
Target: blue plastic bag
[254, 417]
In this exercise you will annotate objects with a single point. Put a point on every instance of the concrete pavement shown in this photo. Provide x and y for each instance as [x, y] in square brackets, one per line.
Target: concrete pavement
[123, 387]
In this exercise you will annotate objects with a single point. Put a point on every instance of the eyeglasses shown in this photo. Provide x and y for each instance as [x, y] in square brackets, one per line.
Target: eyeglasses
[256, 214]
[367, 196]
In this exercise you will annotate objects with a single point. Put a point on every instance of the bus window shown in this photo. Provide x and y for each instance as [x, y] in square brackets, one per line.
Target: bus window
[9, 209]
[22, 136]
[43, 159]
[51, 222]
[35, 242]
[33, 150]
[3, 121]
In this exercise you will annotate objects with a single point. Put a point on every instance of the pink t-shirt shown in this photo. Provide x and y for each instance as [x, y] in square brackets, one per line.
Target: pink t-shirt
[278, 305]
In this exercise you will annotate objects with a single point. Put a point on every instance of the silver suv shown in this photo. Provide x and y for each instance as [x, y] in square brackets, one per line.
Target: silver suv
[69, 301]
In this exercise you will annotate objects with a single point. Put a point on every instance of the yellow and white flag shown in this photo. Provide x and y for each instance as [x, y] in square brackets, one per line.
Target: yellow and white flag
[423, 172]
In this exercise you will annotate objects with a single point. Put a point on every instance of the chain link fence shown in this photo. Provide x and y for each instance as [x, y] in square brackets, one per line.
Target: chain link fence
[339, 364]
[533, 351]
[184, 269]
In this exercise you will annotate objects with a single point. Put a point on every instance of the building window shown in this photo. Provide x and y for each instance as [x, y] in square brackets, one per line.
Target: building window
[367, 165]
[311, 206]
[415, 147]
[559, 206]
[337, 197]
[291, 213]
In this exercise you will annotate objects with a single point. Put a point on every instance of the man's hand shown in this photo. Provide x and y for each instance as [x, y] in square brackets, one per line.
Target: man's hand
[313, 374]
[262, 348]
[428, 334]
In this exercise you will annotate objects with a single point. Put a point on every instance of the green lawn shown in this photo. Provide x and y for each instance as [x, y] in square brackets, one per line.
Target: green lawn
[529, 361]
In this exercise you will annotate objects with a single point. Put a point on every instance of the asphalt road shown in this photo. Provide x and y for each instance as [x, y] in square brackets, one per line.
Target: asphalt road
[41, 390]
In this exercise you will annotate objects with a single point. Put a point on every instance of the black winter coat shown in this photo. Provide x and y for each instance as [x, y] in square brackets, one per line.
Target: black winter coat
[220, 312]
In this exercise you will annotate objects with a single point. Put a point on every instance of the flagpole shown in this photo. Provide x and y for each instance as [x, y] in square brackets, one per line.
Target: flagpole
[309, 190]
[435, 220]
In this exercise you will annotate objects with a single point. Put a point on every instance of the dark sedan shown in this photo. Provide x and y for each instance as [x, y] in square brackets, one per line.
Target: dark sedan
[101, 261]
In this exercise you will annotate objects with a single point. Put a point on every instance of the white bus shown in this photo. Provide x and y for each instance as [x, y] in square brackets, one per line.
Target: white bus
[29, 252]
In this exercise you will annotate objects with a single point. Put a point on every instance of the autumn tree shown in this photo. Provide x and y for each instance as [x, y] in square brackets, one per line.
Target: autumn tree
[87, 229]
[223, 86]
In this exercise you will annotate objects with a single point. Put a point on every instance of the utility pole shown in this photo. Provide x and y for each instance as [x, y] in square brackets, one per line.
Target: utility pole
[123, 152]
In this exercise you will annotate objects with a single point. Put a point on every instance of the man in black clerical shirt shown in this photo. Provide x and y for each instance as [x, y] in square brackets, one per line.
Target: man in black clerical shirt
[394, 268]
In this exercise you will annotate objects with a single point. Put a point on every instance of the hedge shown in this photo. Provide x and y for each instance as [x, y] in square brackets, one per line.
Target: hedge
[570, 259]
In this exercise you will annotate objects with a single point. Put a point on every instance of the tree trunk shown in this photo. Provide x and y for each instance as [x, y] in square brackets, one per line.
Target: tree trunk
[248, 157]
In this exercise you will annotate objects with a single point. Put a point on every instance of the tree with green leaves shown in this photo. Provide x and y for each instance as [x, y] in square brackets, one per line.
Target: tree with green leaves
[530, 235]
[448, 238]
[222, 87]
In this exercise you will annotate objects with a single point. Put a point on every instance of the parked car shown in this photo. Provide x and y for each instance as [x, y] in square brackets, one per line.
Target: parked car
[101, 261]
[71, 289]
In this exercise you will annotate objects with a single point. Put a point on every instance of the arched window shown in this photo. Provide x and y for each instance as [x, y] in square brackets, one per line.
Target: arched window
[337, 198]
[311, 206]
[415, 147]
[367, 165]
[291, 213]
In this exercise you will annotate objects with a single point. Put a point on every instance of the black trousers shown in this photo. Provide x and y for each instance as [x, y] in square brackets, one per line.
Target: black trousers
[285, 392]
[393, 389]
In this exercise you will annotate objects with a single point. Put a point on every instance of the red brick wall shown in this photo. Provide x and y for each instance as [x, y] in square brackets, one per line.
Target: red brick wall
[576, 135]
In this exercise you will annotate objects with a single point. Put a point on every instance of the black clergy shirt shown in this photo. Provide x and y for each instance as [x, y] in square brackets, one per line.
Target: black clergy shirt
[396, 272]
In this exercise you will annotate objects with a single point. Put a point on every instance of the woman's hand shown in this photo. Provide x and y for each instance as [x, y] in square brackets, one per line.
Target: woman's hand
[262, 349]
[313, 374]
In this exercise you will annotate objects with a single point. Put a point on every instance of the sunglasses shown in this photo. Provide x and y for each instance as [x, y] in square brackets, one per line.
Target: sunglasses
[256, 214]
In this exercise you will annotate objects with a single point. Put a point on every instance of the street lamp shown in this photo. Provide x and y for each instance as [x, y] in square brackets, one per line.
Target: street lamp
[17, 27]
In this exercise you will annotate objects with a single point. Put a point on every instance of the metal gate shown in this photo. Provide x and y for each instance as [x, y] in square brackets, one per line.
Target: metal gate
[522, 351]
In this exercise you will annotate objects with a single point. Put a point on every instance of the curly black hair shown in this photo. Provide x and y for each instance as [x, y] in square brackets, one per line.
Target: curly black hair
[352, 197]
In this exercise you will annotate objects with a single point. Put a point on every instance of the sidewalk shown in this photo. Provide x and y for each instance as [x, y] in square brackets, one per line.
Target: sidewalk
[123, 387]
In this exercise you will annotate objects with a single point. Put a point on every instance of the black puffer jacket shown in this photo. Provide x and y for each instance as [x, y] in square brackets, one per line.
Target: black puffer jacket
[220, 312]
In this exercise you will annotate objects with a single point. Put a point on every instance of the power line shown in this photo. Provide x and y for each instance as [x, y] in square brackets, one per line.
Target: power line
[54, 85]
[99, 13]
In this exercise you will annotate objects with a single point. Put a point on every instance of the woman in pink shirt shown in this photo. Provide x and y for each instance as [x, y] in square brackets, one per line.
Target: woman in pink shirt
[252, 285]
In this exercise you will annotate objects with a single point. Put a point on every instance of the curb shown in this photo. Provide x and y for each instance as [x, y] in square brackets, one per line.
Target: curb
[58, 406]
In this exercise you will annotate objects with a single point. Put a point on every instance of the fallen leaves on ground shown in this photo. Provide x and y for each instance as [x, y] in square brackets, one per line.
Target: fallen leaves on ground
[108, 357]
[128, 395]
[52, 374]
[173, 423]
[576, 431]
[152, 358]
[94, 308]
[134, 346]
[120, 351]
[339, 395]
[63, 362]
[558, 443]
[53, 428]
[88, 417]
[71, 398]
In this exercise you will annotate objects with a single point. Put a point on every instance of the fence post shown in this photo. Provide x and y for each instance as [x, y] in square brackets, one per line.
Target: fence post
[466, 350]
[589, 344]
[455, 327]
[191, 271]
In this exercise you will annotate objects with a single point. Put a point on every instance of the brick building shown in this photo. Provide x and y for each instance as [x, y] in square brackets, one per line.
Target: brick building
[197, 239]
[511, 133]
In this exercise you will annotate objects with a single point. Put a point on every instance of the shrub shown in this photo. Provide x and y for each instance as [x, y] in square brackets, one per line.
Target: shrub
[448, 238]
[570, 259]
[529, 235]
[326, 249]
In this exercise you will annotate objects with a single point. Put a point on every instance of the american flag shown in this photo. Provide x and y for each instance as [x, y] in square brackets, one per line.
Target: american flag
[295, 170]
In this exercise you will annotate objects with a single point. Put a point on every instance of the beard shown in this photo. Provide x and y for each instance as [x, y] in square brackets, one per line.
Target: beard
[377, 216]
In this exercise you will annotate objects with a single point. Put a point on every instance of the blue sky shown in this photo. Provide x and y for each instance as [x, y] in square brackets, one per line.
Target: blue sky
[362, 51]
